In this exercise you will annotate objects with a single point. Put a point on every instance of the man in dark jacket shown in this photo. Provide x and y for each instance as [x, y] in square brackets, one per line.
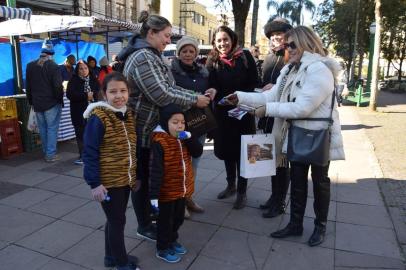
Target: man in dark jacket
[45, 93]
[275, 31]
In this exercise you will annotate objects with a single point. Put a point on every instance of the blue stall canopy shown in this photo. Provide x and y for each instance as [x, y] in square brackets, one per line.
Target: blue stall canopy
[15, 13]
[31, 51]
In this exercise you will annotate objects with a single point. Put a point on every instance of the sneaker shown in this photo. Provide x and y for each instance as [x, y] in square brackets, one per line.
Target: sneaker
[110, 261]
[178, 248]
[148, 233]
[167, 255]
[52, 159]
[78, 162]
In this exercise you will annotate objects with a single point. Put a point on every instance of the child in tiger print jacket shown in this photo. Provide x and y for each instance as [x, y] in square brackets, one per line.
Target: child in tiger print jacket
[171, 179]
[110, 164]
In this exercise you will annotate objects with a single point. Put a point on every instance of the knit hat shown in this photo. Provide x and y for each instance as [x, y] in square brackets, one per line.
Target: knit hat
[104, 61]
[187, 40]
[91, 58]
[166, 112]
[276, 25]
[47, 47]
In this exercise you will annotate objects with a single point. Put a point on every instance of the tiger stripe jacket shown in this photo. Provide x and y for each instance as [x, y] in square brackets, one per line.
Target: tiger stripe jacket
[109, 153]
[171, 172]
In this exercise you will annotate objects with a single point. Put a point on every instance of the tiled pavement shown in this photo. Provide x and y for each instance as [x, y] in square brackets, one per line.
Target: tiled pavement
[47, 220]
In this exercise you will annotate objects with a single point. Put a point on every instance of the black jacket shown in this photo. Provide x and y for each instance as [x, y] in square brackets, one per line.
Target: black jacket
[272, 66]
[43, 85]
[78, 97]
[196, 78]
[226, 80]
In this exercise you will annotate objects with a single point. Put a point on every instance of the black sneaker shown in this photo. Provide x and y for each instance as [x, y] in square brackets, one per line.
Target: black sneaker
[147, 233]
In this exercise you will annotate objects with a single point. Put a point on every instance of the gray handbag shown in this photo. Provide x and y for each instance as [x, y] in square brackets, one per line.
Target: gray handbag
[310, 146]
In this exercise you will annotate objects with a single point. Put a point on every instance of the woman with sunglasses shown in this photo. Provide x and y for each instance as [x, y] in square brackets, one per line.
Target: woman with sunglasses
[231, 69]
[304, 89]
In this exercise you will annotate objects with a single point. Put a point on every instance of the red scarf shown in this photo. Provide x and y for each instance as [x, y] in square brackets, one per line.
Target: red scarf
[229, 59]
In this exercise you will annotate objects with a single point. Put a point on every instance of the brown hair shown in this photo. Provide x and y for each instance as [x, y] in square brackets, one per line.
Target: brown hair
[114, 76]
[214, 53]
[155, 23]
[306, 39]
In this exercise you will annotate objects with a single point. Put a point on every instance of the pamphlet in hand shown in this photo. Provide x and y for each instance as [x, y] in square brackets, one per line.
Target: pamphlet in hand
[240, 111]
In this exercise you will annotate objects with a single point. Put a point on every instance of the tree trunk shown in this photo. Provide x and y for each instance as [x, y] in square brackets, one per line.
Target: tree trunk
[240, 12]
[254, 22]
[360, 63]
[375, 62]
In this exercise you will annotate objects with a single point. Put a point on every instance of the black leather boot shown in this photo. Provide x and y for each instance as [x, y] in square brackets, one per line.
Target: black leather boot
[228, 192]
[290, 230]
[274, 211]
[318, 235]
[267, 204]
[241, 201]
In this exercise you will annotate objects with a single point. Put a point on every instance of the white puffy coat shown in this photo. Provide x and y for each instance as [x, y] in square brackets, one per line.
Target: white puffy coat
[311, 89]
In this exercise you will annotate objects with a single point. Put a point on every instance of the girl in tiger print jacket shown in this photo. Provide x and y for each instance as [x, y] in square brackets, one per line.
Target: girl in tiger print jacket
[171, 176]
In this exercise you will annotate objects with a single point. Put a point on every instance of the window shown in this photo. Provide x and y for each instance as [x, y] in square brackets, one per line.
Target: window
[134, 11]
[203, 20]
[109, 9]
[120, 10]
[88, 7]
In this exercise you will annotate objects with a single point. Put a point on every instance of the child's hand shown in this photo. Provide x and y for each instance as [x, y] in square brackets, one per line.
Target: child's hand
[137, 185]
[99, 193]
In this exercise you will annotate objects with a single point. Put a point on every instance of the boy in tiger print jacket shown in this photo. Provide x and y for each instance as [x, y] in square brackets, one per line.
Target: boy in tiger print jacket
[171, 179]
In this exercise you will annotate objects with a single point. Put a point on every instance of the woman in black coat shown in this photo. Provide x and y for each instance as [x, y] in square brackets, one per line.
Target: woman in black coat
[231, 69]
[82, 89]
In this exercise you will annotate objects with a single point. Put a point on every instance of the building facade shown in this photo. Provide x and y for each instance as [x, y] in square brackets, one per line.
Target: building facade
[189, 18]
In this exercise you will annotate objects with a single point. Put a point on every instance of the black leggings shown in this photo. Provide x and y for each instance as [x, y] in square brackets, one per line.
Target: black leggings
[170, 218]
[114, 228]
[79, 129]
[232, 169]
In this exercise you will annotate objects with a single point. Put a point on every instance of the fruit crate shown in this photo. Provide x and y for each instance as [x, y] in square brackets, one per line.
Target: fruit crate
[10, 139]
[23, 109]
[8, 108]
[31, 141]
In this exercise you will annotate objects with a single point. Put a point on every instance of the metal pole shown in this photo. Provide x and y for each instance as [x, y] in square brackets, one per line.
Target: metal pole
[16, 56]
[107, 42]
[375, 61]
[370, 59]
[254, 22]
[77, 46]
[354, 55]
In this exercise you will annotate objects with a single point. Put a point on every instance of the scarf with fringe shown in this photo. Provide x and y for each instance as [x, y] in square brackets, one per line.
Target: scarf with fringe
[229, 59]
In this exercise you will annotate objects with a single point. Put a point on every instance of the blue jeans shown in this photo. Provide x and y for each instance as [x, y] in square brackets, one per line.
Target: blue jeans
[48, 125]
[195, 161]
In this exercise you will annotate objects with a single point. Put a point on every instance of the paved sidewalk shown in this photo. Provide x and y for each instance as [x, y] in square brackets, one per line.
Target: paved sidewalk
[49, 222]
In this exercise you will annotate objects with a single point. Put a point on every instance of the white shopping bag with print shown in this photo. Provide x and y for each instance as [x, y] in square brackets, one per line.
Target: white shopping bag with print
[257, 155]
[32, 124]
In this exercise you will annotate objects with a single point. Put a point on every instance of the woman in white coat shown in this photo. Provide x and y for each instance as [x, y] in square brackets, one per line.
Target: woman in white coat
[304, 89]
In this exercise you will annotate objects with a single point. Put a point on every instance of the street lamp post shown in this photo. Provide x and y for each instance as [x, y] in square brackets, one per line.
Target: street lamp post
[372, 30]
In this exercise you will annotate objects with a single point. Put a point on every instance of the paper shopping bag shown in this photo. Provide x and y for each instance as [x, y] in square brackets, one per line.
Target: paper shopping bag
[257, 155]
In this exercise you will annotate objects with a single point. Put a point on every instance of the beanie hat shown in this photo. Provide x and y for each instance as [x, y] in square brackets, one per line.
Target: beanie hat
[104, 61]
[166, 112]
[91, 58]
[47, 47]
[276, 25]
[187, 40]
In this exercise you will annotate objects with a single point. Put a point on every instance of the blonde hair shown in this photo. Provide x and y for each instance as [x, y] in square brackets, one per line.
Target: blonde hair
[306, 39]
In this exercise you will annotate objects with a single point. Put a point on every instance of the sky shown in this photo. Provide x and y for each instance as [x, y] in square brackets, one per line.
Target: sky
[264, 14]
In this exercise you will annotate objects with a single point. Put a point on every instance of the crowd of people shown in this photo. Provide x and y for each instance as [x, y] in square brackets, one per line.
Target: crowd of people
[133, 139]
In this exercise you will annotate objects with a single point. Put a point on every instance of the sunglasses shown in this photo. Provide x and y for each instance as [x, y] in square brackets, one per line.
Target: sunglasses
[291, 45]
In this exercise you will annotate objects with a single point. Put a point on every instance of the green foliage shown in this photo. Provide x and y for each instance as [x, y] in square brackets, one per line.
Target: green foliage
[293, 9]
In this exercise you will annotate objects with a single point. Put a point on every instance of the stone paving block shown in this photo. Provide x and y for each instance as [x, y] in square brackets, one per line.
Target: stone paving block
[205, 174]
[55, 238]
[27, 198]
[209, 164]
[256, 196]
[62, 166]
[58, 205]
[221, 179]
[349, 193]
[208, 154]
[60, 183]
[89, 252]
[399, 224]
[309, 212]
[361, 214]
[363, 183]
[3, 244]
[351, 259]
[263, 183]
[81, 191]
[7, 189]
[131, 224]
[35, 165]
[204, 263]
[250, 220]
[56, 264]
[14, 257]
[31, 178]
[194, 235]
[366, 239]
[199, 186]
[215, 212]
[293, 256]
[308, 227]
[211, 191]
[89, 215]
[8, 173]
[77, 172]
[231, 246]
[146, 253]
[15, 223]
